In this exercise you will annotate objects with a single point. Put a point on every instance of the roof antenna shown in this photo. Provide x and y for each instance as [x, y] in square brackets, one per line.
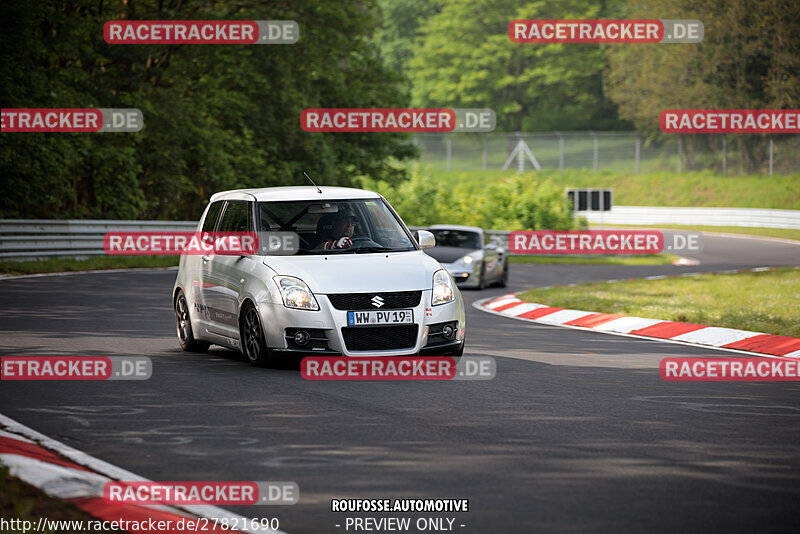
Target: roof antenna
[312, 181]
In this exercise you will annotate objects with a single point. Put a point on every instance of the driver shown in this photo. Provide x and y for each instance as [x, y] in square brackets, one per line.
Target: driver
[336, 230]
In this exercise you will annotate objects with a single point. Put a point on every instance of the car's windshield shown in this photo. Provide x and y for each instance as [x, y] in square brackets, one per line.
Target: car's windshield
[338, 226]
[457, 238]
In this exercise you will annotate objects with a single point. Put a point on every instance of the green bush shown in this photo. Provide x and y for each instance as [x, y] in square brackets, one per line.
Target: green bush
[515, 202]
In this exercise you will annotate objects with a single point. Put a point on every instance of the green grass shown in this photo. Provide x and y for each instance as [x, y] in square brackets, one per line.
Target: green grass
[782, 233]
[595, 259]
[56, 265]
[766, 302]
[700, 189]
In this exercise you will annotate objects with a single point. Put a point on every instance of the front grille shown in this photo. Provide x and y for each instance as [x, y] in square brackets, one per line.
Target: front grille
[380, 337]
[364, 301]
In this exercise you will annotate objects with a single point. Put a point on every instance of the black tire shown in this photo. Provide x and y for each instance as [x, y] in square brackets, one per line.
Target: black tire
[183, 327]
[504, 279]
[482, 280]
[251, 336]
[458, 353]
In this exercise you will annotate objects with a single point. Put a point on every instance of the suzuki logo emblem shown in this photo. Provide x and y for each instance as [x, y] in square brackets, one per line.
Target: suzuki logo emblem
[377, 301]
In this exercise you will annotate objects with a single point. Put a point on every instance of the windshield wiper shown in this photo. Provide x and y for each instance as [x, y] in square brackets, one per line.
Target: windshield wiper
[377, 249]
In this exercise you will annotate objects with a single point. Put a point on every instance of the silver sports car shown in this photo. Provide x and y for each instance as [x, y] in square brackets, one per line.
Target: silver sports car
[469, 256]
[357, 284]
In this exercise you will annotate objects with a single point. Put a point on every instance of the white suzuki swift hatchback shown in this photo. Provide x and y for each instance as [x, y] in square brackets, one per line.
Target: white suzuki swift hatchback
[345, 277]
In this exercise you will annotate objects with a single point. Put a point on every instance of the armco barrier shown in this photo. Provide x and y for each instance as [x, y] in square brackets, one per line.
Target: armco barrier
[22, 239]
[651, 215]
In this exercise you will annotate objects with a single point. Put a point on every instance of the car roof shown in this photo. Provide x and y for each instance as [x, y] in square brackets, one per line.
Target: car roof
[456, 227]
[306, 192]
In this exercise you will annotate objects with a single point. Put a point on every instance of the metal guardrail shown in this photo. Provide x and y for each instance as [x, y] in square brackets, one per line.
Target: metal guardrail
[22, 239]
[652, 215]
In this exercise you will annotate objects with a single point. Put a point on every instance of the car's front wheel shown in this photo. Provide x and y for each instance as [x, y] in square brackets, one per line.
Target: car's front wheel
[482, 280]
[183, 326]
[253, 343]
[504, 279]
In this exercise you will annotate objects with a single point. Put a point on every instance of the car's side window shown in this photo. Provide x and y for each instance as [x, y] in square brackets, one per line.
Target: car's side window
[237, 217]
[210, 221]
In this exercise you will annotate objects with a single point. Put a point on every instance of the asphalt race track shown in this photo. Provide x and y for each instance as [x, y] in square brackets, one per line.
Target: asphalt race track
[577, 433]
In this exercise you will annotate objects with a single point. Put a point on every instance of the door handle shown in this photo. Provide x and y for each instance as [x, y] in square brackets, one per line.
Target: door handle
[206, 258]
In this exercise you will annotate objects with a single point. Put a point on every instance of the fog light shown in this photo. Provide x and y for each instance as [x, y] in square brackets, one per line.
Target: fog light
[301, 338]
[448, 332]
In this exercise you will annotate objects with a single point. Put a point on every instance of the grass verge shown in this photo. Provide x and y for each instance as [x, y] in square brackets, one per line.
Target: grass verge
[596, 259]
[56, 265]
[699, 189]
[766, 302]
[19, 500]
[782, 233]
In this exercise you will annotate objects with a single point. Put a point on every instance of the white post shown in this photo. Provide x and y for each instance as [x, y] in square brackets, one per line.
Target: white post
[596, 153]
[680, 155]
[638, 150]
[724, 156]
[770, 157]
[449, 145]
[485, 155]
[560, 152]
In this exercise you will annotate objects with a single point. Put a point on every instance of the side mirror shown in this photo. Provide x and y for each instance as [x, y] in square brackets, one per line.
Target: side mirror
[425, 239]
[491, 246]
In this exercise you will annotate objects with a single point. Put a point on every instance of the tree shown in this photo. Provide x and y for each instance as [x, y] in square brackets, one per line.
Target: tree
[466, 59]
[401, 22]
[749, 59]
[216, 116]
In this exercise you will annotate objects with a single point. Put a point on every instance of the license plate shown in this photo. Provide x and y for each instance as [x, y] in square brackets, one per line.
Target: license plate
[372, 318]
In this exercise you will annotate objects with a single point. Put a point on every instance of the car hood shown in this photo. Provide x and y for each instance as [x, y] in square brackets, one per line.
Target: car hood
[448, 254]
[359, 273]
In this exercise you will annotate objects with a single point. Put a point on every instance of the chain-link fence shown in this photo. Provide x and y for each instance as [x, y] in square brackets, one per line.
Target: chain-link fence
[624, 152]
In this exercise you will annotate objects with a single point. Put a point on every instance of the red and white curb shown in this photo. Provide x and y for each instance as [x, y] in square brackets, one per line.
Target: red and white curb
[688, 333]
[73, 476]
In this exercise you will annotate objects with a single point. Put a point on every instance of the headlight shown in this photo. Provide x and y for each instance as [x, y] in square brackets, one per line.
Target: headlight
[295, 293]
[442, 288]
[467, 259]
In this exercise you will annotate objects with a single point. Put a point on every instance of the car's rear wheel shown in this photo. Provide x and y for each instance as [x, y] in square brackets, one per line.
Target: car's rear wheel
[183, 327]
[253, 343]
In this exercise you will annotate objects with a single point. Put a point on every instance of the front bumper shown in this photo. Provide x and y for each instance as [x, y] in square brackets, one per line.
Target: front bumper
[328, 323]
